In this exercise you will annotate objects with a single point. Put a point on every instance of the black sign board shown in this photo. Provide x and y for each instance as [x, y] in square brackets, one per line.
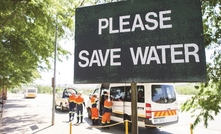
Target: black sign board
[148, 41]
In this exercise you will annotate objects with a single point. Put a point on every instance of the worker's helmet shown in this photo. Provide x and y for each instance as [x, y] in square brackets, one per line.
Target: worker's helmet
[105, 91]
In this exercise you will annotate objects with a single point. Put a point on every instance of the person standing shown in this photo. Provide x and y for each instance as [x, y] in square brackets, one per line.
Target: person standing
[72, 106]
[102, 101]
[94, 109]
[79, 104]
[107, 110]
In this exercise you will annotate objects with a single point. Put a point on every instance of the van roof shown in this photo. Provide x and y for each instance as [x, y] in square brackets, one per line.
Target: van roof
[107, 85]
[129, 84]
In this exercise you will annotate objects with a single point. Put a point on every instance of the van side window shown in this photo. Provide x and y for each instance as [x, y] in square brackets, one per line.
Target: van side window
[128, 94]
[123, 93]
[140, 93]
[117, 93]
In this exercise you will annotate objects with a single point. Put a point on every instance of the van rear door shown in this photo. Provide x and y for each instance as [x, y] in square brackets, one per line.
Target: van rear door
[164, 106]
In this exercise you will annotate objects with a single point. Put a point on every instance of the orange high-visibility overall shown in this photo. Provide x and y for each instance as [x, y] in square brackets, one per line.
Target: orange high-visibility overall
[107, 112]
[94, 109]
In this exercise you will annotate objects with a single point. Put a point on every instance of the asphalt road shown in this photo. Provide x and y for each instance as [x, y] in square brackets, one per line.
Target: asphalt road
[29, 116]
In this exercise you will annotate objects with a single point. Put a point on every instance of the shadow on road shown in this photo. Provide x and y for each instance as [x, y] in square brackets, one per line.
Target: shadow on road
[12, 104]
[88, 121]
[42, 129]
[120, 128]
[18, 123]
[153, 131]
[57, 111]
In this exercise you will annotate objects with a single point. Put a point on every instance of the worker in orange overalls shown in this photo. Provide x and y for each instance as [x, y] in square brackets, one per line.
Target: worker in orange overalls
[79, 104]
[72, 106]
[107, 110]
[94, 109]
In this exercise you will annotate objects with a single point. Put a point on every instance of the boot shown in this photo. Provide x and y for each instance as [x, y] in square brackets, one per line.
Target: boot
[107, 125]
[81, 119]
[72, 117]
[69, 117]
[77, 119]
[93, 121]
[103, 126]
[96, 122]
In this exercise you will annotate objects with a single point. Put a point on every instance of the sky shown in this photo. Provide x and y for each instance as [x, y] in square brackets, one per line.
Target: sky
[65, 69]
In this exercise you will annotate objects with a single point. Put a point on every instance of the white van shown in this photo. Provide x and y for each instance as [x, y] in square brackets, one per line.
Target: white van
[61, 99]
[30, 92]
[156, 103]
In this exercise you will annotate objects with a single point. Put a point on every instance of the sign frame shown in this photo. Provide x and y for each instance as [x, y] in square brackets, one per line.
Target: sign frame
[114, 44]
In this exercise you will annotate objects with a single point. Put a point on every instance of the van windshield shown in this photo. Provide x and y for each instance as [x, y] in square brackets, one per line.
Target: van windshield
[68, 91]
[31, 91]
[163, 93]
[71, 90]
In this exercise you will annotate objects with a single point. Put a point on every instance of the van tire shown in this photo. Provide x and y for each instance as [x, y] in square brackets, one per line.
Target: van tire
[61, 107]
[55, 107]
[150, 127]
[89, 113]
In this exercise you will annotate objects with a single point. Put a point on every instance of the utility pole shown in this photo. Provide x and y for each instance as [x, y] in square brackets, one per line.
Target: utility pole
[54, 79]
[1, 87]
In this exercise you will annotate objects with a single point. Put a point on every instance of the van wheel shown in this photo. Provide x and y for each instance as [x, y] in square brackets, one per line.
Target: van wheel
[61, 107]
[149, 127]
[89, 113]
[55, 107]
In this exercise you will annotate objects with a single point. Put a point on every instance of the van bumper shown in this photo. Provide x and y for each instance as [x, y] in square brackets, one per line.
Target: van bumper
[149, 122]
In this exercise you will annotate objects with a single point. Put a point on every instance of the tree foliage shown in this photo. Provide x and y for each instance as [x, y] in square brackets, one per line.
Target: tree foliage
[186, 89]
[206, 104]
[27, 36]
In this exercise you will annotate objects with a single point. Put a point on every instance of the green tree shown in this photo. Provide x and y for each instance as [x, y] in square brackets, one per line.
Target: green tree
[206, 103]
[186, 89]
[27, 36]
[44, 89]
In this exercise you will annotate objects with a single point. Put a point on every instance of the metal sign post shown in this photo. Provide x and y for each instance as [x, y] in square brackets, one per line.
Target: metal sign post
[134, 108]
